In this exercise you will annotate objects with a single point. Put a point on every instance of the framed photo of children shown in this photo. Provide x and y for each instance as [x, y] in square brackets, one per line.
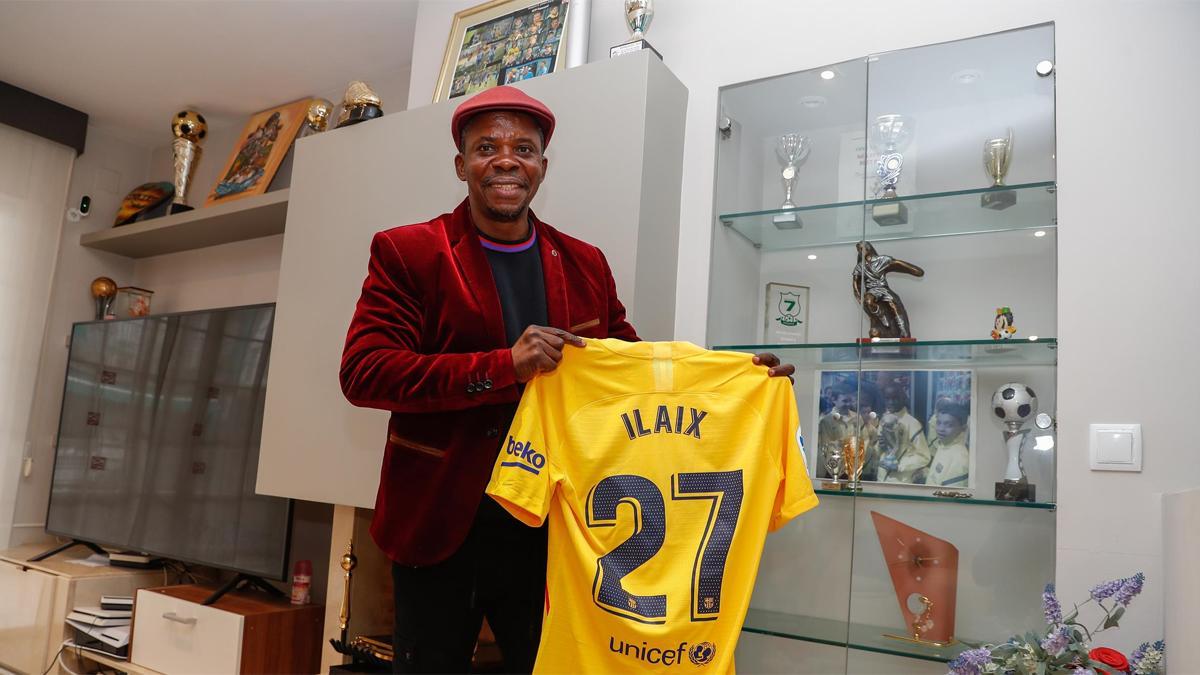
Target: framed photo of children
[502, 42]
[916, 427]
[259, 151]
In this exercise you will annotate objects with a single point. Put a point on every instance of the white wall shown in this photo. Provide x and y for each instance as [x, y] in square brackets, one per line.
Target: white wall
[1126, 100]
[429, 46]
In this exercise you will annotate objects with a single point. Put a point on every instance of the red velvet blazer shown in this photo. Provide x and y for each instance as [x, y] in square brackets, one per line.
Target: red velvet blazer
[427, 343]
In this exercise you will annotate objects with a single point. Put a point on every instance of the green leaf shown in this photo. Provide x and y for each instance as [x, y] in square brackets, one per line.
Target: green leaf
[1041, 668]
[1111, 621]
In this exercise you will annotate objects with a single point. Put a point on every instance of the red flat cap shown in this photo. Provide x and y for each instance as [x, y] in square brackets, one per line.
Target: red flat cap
[502, 98]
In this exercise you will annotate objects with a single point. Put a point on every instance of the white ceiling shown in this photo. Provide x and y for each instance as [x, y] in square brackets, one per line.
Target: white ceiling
[132, 65]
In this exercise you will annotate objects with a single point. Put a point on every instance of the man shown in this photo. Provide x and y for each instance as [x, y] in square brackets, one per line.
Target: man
[835, 427]
[951, 459]
[455, 314]
[903, 450]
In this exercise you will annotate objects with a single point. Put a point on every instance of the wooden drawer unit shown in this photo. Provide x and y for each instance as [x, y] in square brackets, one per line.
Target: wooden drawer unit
[240, 633]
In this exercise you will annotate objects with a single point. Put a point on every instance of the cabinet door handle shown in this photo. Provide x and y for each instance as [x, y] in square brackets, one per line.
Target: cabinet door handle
[172, 616]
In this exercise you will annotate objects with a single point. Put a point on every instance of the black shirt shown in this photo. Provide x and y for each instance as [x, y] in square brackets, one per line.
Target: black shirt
[517, 270]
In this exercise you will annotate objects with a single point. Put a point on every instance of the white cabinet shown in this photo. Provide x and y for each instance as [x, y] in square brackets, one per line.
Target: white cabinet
[181, 637]
[35, 599]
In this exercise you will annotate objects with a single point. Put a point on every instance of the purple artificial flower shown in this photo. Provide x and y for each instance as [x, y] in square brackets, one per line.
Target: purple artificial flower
[1051, 607]
[970, 662]
[1130, 588]
[1107, 589]
[1147, 658]
[1138, 654]
[1057, 641]
[1083, 671]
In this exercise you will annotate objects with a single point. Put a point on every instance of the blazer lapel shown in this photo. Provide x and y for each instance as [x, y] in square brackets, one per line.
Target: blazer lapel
[477, 273]
[552, 272]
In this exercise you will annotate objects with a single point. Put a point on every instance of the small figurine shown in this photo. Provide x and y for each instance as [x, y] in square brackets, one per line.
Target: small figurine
[1004, 327]
[888, 317]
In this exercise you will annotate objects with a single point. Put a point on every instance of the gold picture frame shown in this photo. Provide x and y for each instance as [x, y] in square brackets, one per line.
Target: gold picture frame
[259, 151]
[502, 42]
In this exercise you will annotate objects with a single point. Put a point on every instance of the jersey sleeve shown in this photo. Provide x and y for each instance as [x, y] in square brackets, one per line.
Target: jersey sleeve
[795, 494]
[521, 478]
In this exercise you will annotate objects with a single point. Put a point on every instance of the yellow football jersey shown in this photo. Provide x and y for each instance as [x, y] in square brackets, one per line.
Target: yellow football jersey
[662, 466]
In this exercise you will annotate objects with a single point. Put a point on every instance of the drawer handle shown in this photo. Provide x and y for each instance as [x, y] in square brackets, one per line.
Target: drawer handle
[172, 616]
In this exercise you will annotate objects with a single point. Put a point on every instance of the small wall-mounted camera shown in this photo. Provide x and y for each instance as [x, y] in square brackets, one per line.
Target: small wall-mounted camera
[85, 207]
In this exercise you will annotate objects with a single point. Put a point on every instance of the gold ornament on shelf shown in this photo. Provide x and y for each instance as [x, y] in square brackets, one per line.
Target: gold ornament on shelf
[189, 128]
[360, 104]
[854, 458]
[316, 119]
[103, 291]
[349, 562]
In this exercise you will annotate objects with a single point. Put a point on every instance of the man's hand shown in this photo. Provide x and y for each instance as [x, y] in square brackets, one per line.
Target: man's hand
[774, 368]
[539, 349]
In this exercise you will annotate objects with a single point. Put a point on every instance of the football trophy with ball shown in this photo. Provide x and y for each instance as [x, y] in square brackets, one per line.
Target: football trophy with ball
[1014, 404]
[189, 128]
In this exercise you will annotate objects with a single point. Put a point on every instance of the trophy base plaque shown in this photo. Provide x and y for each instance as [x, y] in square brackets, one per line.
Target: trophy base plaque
[787, 221]
[1015, 491]
[179, 208]
[890, 214]
[998, 201]
[360, 113]
[631, 47]
[919, 641]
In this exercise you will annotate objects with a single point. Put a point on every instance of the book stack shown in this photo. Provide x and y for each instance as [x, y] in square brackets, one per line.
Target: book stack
[104, 628]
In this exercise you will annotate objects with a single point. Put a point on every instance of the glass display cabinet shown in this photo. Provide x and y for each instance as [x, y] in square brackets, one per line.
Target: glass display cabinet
[888, 225]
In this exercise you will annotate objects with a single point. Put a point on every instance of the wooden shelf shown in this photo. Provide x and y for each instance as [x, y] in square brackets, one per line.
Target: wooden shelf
[107, 660]
[248, 218]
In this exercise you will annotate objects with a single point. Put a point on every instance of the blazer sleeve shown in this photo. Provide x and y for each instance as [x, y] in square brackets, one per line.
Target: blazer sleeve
[381, 365]
[618, 326]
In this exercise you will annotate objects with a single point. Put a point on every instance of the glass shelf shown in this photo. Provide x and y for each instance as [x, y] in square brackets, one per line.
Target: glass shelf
[938, 214]
[833, 632]
[951, 501]
[914, 355]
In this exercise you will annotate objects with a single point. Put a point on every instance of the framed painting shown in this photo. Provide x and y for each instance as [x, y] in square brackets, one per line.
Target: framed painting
[786, 314]
[259, 150]
[502, 42]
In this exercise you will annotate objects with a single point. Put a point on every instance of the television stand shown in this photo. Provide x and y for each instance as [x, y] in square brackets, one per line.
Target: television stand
[59, 549]
[238, 582]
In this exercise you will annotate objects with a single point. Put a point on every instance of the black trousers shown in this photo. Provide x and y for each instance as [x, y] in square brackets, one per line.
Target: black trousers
[498, 573]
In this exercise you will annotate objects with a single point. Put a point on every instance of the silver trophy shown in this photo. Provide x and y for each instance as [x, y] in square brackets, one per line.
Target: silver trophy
[833, 468]
[638, 15]
[997, 157]
[792, 149]
[189, 128]
[890, 134]
[1014, 404]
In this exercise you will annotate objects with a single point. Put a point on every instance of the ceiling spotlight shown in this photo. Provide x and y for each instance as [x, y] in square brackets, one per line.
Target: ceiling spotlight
[812, 101]
[828, 74]
[1039, 233]
[812, 256]
[967, 76]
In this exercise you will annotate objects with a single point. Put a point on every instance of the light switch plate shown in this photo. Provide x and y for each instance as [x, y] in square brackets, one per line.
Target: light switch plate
[1115, 447]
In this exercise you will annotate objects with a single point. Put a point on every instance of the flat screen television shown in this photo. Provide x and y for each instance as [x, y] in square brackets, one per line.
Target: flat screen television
[158, 440]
